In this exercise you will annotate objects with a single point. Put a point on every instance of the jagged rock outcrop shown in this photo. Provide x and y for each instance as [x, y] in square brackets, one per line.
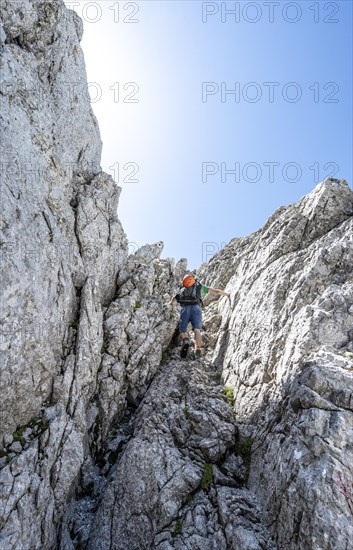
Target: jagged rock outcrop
[59, 223]
[138, 328]
[108, 439]
[285, 345]
[167, 491]
[62, 246]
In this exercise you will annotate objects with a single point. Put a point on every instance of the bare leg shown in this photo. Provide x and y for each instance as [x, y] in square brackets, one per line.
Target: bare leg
[183, 335]
[198, 338]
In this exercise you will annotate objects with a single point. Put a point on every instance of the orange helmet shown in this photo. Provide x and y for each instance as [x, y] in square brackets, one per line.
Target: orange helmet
[188, 280]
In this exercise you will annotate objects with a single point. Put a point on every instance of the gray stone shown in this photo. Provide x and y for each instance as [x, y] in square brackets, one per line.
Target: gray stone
[8, 439]
[282, 347]
[160, 486]
[149, 252]
[127, 445]
[16, 447]
[27, 433]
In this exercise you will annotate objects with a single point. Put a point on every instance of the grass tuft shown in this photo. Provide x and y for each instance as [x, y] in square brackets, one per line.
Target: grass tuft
[207, 476]
[229, 396]
[178, 528]
[243, 448]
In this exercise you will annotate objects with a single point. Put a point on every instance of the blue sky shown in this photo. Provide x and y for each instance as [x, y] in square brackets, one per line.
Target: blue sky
[178, 135]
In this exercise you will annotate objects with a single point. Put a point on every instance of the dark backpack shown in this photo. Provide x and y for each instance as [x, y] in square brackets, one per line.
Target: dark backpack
[191, 295]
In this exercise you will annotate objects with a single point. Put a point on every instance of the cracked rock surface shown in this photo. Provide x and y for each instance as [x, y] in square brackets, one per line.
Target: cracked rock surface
[61, 248]
[285, 343]
[174, 485]
[59, 223]
[107, 438]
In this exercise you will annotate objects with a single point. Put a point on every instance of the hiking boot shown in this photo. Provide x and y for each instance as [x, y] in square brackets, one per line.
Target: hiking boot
[184, 348]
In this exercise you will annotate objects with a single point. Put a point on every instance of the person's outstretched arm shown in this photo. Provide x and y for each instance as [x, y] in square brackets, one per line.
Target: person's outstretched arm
[218, 291]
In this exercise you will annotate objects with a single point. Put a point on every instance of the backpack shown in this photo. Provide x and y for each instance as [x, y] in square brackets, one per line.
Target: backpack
[191, 295]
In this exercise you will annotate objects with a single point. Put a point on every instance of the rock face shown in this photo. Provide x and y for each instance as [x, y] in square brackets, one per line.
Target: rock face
[285, 346]
[167, 491]
[109, 439]
[62, 246]
[59, 225]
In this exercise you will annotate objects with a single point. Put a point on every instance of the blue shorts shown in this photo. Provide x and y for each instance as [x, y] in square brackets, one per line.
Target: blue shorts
[191, 313]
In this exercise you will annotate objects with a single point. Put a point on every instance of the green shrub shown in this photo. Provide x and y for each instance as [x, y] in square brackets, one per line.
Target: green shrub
[229, 395]
[178, 528]
[218, 376]
[243, 448]
[207, 476]
[105, 346]
[18, 436]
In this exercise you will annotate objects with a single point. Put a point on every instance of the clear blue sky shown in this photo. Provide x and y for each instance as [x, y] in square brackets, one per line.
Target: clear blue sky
[183, 134]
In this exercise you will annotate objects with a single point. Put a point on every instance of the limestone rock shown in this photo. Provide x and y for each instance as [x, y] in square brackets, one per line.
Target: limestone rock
[62, 247]
[108, 439]
[163, 494]
[54, 232]
[282, 346]
[138, 327]
[149, 252]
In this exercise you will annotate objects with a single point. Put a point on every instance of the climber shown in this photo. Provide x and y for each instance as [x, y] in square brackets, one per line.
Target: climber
[190, 298]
